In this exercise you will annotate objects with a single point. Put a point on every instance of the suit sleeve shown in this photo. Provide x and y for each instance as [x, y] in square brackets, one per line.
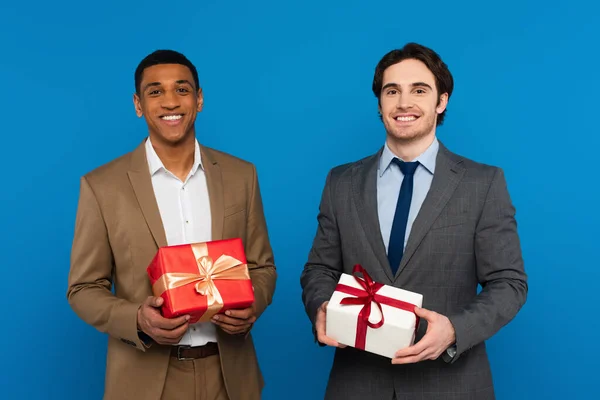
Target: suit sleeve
[90, 277]
[500, 271]
[259, 254]
[323, 268]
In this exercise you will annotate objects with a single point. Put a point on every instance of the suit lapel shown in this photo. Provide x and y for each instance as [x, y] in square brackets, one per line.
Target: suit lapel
[364, 191]
[214, 182]
[448, 174]
[141, 182]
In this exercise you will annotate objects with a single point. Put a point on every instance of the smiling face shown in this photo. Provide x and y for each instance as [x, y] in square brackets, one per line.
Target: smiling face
[169, 101]
[409, 103]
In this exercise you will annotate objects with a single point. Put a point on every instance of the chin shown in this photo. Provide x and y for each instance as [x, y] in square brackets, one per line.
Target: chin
[173, 137]
[406, 136]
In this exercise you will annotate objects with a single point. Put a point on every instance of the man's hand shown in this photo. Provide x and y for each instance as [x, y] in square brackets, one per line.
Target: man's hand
[162, 330]
[439, 336]
[236, 322]
[320, 325]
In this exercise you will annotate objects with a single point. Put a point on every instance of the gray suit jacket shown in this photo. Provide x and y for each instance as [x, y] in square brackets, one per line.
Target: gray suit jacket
[465, 235]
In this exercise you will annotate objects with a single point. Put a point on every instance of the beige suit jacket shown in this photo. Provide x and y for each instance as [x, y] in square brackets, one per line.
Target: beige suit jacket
[117, 233]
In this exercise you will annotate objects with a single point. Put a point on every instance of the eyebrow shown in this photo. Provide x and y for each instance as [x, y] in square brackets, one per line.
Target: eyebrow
[414, 84]
[184, 81]
[179, 82]
[150, 85]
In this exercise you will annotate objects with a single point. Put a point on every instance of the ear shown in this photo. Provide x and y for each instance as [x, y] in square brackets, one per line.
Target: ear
[442, 103]
[200, 100]
[137, 102]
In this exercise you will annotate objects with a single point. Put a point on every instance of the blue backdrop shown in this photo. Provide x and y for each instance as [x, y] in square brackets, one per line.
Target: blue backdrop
[287, 86]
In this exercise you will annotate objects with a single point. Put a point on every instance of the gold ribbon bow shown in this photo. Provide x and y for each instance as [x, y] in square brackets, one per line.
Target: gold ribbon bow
[225, 267]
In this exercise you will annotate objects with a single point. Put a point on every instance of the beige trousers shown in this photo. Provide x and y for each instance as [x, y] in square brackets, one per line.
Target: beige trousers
[199, 379]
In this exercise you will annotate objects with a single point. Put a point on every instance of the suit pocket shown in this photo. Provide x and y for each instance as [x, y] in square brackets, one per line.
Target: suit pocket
[234, 222]
[455, 214]
[234, 210]
[450, 221]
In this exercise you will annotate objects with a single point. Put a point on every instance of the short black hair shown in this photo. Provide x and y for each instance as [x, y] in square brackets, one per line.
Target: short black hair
[164, 57]
[443, 78]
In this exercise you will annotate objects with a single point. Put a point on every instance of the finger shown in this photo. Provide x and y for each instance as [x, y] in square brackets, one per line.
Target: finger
[154, 301]
[326, 340]
[165, 341]
[233, 329]
[320, 322]
[171, 336]
[246, 313]
[415, 349]
[227, 330]
[425, 313]
[320, 328]
[323, 338]
[232, 321]
[410, 359]
[232, 332]
[168, 323]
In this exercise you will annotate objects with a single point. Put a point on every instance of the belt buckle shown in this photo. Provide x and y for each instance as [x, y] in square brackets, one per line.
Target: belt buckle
[179, 357]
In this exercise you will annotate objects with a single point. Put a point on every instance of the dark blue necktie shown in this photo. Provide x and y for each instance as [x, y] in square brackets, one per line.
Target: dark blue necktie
[397, 236]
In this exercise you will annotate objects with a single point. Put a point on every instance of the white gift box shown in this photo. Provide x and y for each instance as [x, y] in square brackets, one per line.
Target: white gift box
[397, 332]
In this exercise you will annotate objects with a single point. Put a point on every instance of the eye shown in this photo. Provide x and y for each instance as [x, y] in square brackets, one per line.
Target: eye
[420, 91]
[154, 92]
[391, 92]
[182, 90]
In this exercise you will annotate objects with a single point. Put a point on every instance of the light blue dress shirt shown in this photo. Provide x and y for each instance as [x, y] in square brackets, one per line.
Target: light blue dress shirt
[389, 180]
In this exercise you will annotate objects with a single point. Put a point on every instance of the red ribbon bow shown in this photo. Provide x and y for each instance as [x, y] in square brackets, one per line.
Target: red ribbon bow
[365, 296]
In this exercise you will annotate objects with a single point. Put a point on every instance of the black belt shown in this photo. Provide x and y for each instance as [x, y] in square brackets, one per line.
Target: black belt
[186, 353]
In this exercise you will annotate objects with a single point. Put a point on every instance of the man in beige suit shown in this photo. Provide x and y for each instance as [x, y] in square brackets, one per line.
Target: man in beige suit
[169, 190]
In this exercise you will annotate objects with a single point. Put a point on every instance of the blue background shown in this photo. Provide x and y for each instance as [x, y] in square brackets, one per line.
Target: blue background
[287, 86]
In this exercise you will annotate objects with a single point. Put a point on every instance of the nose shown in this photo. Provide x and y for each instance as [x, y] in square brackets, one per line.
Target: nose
[170, 100]
[404, 101]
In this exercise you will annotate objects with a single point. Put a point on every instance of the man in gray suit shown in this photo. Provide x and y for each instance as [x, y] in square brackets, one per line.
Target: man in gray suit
[421, 218]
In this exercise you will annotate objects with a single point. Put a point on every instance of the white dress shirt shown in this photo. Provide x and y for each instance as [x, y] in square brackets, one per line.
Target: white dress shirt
[185, 212]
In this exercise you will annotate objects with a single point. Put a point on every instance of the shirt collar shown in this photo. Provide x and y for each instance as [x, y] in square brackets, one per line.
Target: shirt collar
[427, 159]
[155, 164]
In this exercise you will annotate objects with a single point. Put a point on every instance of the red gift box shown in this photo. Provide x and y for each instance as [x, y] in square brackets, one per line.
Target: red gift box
[201, 279]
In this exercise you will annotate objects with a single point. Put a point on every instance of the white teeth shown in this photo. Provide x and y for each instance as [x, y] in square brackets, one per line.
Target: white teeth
[405, 119]
[171, 117]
